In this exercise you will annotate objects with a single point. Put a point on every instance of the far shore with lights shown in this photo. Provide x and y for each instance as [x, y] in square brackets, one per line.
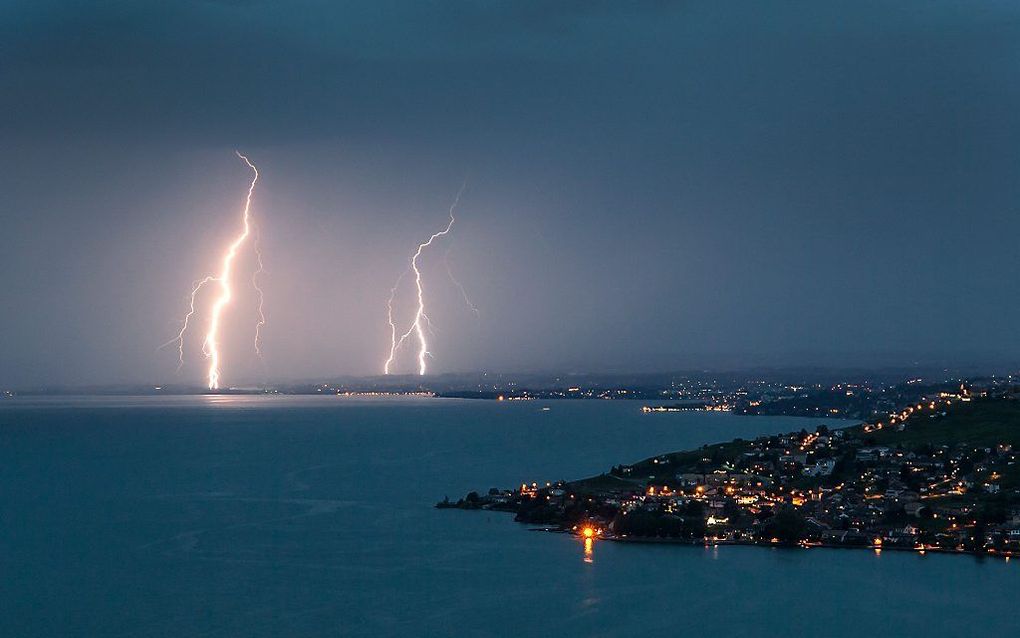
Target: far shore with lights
[939, 475]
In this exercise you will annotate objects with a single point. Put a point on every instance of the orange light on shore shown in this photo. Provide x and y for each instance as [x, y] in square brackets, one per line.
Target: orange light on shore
[588, 532]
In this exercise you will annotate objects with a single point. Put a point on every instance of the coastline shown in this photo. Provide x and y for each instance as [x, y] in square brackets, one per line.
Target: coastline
[721, 542]
[939, 475]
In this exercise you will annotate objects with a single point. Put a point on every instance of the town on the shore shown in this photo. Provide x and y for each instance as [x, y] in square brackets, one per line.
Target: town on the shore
[939, 474]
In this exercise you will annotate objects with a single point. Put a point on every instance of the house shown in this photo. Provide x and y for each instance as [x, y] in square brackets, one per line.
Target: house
[820, 468]
[690, 480]
[905, 537]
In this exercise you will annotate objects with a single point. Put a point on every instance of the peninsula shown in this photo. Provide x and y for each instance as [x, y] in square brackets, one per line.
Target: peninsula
[940, 474]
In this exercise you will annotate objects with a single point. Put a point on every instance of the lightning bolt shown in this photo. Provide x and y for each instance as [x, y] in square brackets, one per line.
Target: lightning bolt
[393, 325]
[255, 284]
[460, 286]
[179, 339]
[421, 320]
[210, 345]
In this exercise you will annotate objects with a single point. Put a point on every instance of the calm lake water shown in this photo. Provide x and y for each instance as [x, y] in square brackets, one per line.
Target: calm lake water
[290, 516]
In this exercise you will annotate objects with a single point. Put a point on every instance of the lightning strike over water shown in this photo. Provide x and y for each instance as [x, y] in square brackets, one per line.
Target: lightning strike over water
[421, 320]
[210, 345]
[255, 284]
[393, 325]
[179, 339]
[460, 286]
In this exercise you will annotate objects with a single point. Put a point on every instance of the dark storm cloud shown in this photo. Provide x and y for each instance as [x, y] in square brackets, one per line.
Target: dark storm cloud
[651, 184]
[286, 69]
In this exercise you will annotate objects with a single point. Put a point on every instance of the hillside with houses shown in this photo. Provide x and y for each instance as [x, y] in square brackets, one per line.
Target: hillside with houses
[940, 474]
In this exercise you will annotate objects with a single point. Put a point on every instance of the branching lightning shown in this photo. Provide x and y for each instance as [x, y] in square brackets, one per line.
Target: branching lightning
[460, 286]
[210, 345]
[393, 325]
[421, 320]
[419, 315]
[261, 296]
[179, 339]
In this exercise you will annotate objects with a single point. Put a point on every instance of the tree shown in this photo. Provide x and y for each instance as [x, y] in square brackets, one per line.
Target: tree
[788, 525]
[694, 509]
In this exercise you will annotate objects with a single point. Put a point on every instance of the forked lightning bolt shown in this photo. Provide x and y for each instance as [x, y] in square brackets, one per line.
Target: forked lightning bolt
[258, 289]
[210, 345]
[421, 320]
[460, 286]
[393, 325]
[179, 339]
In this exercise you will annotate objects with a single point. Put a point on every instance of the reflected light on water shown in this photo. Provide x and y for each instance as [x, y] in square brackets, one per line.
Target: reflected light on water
[225, 399]
[589, 546]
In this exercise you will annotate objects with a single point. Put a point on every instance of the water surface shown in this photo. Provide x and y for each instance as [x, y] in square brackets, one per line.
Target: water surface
[309, 516]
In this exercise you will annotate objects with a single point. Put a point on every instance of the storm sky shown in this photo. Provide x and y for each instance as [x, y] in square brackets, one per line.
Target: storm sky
[650, 186]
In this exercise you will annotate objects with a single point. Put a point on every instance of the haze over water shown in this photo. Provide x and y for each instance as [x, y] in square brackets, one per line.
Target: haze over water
[271, 516]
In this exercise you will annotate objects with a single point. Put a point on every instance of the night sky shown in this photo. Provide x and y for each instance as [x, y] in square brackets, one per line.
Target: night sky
[650, 186]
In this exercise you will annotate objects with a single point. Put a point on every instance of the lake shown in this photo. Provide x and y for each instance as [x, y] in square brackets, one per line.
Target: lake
[313, 516]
